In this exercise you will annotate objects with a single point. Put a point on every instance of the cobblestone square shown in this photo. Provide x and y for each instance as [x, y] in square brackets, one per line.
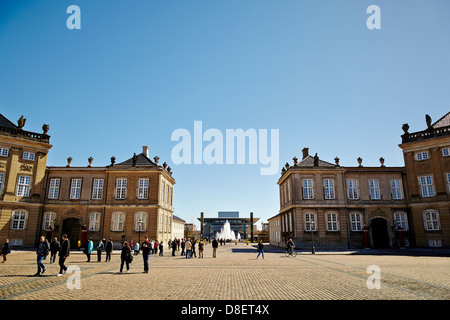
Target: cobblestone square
[235, 274]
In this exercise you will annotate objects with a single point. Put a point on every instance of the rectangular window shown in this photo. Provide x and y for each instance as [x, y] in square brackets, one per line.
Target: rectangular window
[431, 220]
[97, 189]
[352, 187]
[53, 189]
[23, 188]
[49, 221]
[328, 185]
[332, 222]
[308, 189]
[356, 221]
[4, 152]
[75, 189]
[435, 243]
[374, 188]
[396, 189]
[446, 152]
[448, 181]
[28, 155]
[143, 188]
[121, 188]
[422, 155]
[426, 186]
[310, 222]
[94, 221]
[118, 221]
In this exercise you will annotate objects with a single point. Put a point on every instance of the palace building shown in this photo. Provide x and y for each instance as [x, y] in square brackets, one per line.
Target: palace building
[332, 206]
[129, 199]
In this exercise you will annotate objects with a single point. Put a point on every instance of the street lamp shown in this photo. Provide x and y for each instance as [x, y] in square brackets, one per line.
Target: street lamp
[313, 249]
[139, 237]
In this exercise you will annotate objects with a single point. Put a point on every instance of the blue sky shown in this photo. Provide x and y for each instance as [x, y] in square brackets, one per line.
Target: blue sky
[138, 70]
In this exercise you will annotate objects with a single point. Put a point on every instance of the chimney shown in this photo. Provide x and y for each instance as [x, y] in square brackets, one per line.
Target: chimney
[145, 151]
[305, 152]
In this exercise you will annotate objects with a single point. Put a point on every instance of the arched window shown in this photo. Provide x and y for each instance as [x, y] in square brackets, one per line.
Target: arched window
[332, 221]
[356, 221]
[431, 220]
[94, 221]
[118, 221]
[401, 220]
[140, 221]
[19, 219]
[49, 221]
[310, 222]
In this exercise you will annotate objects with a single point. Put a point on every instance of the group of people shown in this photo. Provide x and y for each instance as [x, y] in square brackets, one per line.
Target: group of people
[103, 245]
[44, 249]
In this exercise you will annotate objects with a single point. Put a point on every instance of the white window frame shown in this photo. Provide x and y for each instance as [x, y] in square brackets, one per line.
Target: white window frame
[310, 217]
[19, 219]
[374, 189]
[435, 243]
[401, 219]
[446, 152]
[94, 221]
[143, 188]
[75, 188]
[328, 189]
[97, 189]
[140, 216]
[121, 188]
[53, 188]
[431, 220]
[118, 221]
[396, 189]
[423, 155]
[308, 189]
[28, 155]
[447, 175]
[4, 152]
[356, 221]
[352, 189]
[23, 186]
[48, 222]
[426, 184]
[332, 221]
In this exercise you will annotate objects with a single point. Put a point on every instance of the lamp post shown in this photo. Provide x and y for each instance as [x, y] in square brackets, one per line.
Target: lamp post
[313, 249]
[139, 237]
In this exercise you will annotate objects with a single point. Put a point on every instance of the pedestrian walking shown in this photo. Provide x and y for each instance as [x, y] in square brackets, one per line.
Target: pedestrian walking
[215, 244]
[6, 249]
[100, 249]
[188, 246]
[125, 256]
[42, 251]
[183, 247]
[200, 249]
[64, 252]
[145, 253]
[54, 249]
[156, 246]
[136, 248]
[108, 250]
[161, 247]
[88, 250]
[193, 254]
[174, 246]
[260, 249]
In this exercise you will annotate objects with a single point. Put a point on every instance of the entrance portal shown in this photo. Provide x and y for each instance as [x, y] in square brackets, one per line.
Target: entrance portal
[72, 227]
[380, 235]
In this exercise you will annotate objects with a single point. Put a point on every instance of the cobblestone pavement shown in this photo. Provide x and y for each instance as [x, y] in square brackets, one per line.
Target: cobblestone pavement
[235, 274]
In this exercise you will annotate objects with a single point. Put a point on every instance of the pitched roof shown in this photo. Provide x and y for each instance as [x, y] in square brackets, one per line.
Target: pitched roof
[142, 160]
[309, 162]
[442, 122]
[4, 122]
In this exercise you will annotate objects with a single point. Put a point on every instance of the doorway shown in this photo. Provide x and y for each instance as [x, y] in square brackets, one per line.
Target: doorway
[72, 227]
[380, 234]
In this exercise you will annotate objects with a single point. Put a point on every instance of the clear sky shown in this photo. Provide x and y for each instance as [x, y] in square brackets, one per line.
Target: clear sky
[138, 70]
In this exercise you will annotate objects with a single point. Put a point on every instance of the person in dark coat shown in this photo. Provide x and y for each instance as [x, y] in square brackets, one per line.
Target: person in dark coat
[64, 252]
[215, 244]
[100, 248]
[125, 256]
[145, 252]
[41, 253]
[108, 250]
[54, 249]
[6, 249]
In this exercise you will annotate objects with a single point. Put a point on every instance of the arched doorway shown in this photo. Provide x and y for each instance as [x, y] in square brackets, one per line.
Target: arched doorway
[72, 227]
[380, 234]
